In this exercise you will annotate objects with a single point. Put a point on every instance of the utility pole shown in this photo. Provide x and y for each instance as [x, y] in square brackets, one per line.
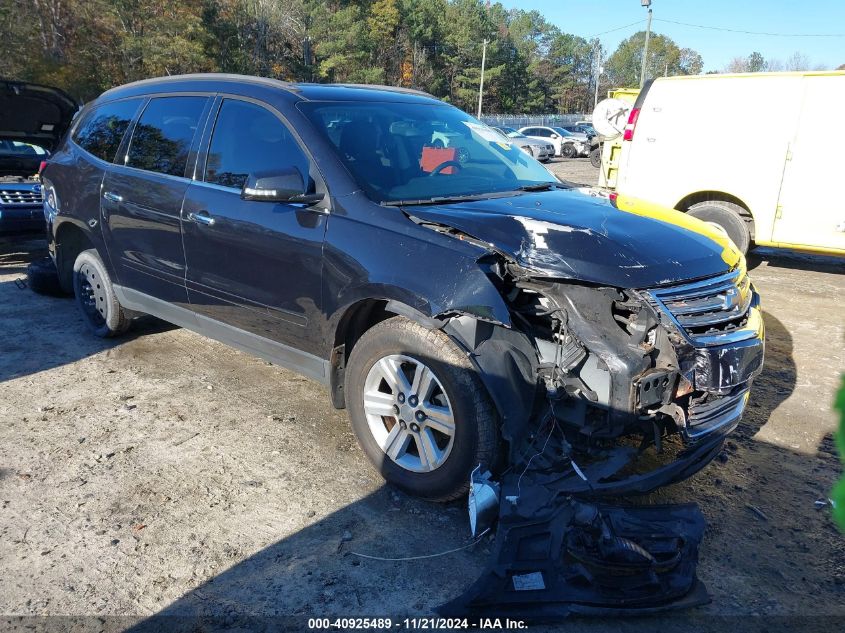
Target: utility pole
[481, 86]
[645, 3]
[599, 69]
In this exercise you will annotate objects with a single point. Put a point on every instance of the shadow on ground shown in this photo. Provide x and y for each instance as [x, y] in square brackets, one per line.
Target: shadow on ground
[782, 258]
[65, 339]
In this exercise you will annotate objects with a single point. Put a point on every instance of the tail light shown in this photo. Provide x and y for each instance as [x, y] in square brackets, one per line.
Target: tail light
[41, 166]
[628, 134]
[613, 197]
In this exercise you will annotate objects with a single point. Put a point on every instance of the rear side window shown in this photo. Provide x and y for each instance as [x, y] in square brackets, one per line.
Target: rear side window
[102, 130]
[162, 138]
[249, 139]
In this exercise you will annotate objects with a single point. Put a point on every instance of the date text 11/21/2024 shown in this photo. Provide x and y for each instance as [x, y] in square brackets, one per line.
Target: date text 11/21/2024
[414, 624]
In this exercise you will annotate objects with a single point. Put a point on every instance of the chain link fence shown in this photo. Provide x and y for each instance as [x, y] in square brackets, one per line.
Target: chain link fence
[522, 120]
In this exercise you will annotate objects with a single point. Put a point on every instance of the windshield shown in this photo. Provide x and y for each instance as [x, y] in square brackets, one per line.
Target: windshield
[416, 152]
[511, 133]
[561, 131]
[16, 148]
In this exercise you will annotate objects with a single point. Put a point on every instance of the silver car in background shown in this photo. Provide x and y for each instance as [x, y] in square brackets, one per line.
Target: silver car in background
[566, 144]
[540, 150]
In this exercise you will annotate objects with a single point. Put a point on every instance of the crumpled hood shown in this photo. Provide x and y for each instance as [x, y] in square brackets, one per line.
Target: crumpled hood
[34, 114]
[570, 234]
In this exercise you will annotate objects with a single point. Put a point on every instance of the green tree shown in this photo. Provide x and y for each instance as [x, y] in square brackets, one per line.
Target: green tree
[87, 46]
[665, 57]
[756, 63]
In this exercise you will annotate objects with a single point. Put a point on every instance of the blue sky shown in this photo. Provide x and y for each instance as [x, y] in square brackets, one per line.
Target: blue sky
[590, 17]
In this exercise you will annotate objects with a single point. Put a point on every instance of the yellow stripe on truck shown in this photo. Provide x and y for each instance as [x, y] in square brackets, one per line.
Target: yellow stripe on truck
[730, 253]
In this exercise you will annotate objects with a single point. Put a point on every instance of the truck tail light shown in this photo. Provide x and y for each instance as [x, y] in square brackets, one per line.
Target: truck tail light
[628, 134]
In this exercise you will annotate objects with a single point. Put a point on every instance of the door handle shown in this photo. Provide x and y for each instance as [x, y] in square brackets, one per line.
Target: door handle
[201, 217]
[112, 197]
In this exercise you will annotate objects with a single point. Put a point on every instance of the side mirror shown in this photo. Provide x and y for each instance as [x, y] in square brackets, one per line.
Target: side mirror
[555, 136]
[284, 186]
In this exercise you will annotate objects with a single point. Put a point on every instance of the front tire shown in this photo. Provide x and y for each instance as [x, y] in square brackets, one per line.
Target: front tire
[595, 157]
[728, 216]
[568, 151]
[419, 410]
[95, 296]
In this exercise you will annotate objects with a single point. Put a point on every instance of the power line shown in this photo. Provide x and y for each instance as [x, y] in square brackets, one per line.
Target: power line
[719, 28]
[618, 28]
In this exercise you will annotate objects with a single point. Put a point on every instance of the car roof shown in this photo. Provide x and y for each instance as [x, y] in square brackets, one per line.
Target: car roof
[300, 91]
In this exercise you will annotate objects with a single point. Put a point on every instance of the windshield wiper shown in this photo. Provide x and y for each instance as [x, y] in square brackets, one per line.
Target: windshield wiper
[443, 199]
[540, 186]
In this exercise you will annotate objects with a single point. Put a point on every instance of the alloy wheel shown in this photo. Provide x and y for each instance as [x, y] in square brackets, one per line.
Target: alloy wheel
[409, 413]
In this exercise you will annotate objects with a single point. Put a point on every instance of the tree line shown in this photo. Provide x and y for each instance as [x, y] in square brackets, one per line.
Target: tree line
[87, 46]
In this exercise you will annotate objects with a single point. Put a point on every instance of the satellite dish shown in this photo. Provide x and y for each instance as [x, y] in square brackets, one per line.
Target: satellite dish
[610, 117]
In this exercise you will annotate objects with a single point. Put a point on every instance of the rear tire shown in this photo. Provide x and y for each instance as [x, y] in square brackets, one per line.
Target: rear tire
[726, 215]
[388, 428]
[95, 296]
[43, 278]
[595, 157]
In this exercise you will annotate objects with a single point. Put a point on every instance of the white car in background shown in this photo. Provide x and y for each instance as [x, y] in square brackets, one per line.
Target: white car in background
[567, 144]
[540, 150]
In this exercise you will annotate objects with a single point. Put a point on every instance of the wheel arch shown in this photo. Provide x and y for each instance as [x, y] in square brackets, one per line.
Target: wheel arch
[71, 239]
[504, 358]
[688, 201]
[354, 321]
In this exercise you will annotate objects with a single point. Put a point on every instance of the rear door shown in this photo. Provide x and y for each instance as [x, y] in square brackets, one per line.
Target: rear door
[810, 213]
[253, 265]
[142, 197]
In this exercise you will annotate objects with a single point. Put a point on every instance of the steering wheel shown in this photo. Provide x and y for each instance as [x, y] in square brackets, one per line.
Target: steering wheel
[444, 165]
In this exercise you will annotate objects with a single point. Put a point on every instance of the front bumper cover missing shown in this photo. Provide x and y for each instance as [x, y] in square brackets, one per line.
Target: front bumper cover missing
[555, 556]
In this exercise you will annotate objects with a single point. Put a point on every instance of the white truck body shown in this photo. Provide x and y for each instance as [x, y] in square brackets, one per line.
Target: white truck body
[771, 143]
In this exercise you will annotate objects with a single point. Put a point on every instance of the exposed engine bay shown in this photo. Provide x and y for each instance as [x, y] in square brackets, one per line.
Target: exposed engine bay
[20, 180]
[618, 376]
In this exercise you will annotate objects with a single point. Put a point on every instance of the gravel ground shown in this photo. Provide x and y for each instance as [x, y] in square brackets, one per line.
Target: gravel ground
[577, 170]
[164, 473]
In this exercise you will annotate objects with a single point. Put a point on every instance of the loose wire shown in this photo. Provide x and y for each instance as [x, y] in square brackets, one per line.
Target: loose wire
[406, 558]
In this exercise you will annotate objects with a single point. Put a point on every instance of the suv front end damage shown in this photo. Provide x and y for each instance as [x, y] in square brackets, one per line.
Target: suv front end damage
[622, 368]
[633, 388]
[636, 389]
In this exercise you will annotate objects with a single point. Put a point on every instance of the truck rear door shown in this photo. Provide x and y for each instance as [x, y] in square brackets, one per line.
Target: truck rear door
[811, 208]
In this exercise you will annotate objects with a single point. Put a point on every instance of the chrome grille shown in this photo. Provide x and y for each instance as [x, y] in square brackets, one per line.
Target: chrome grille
[20, 196]
[705, 308]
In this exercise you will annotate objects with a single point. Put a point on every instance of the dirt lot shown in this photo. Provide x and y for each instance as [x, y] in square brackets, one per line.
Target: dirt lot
[166, 473]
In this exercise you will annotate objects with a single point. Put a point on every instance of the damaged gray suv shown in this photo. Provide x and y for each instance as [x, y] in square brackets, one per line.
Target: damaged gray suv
[465, 306]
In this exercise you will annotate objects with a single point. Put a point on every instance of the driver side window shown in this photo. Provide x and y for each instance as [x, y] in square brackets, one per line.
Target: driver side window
[249, 139]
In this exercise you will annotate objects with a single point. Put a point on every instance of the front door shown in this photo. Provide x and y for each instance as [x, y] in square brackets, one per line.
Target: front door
[142, 196]
[253, 266]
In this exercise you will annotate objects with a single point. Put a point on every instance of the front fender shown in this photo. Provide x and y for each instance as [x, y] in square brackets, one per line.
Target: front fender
[437, 275]
[507, 363]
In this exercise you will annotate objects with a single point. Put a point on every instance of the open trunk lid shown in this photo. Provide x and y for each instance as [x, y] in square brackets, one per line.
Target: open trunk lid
[31, 113]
